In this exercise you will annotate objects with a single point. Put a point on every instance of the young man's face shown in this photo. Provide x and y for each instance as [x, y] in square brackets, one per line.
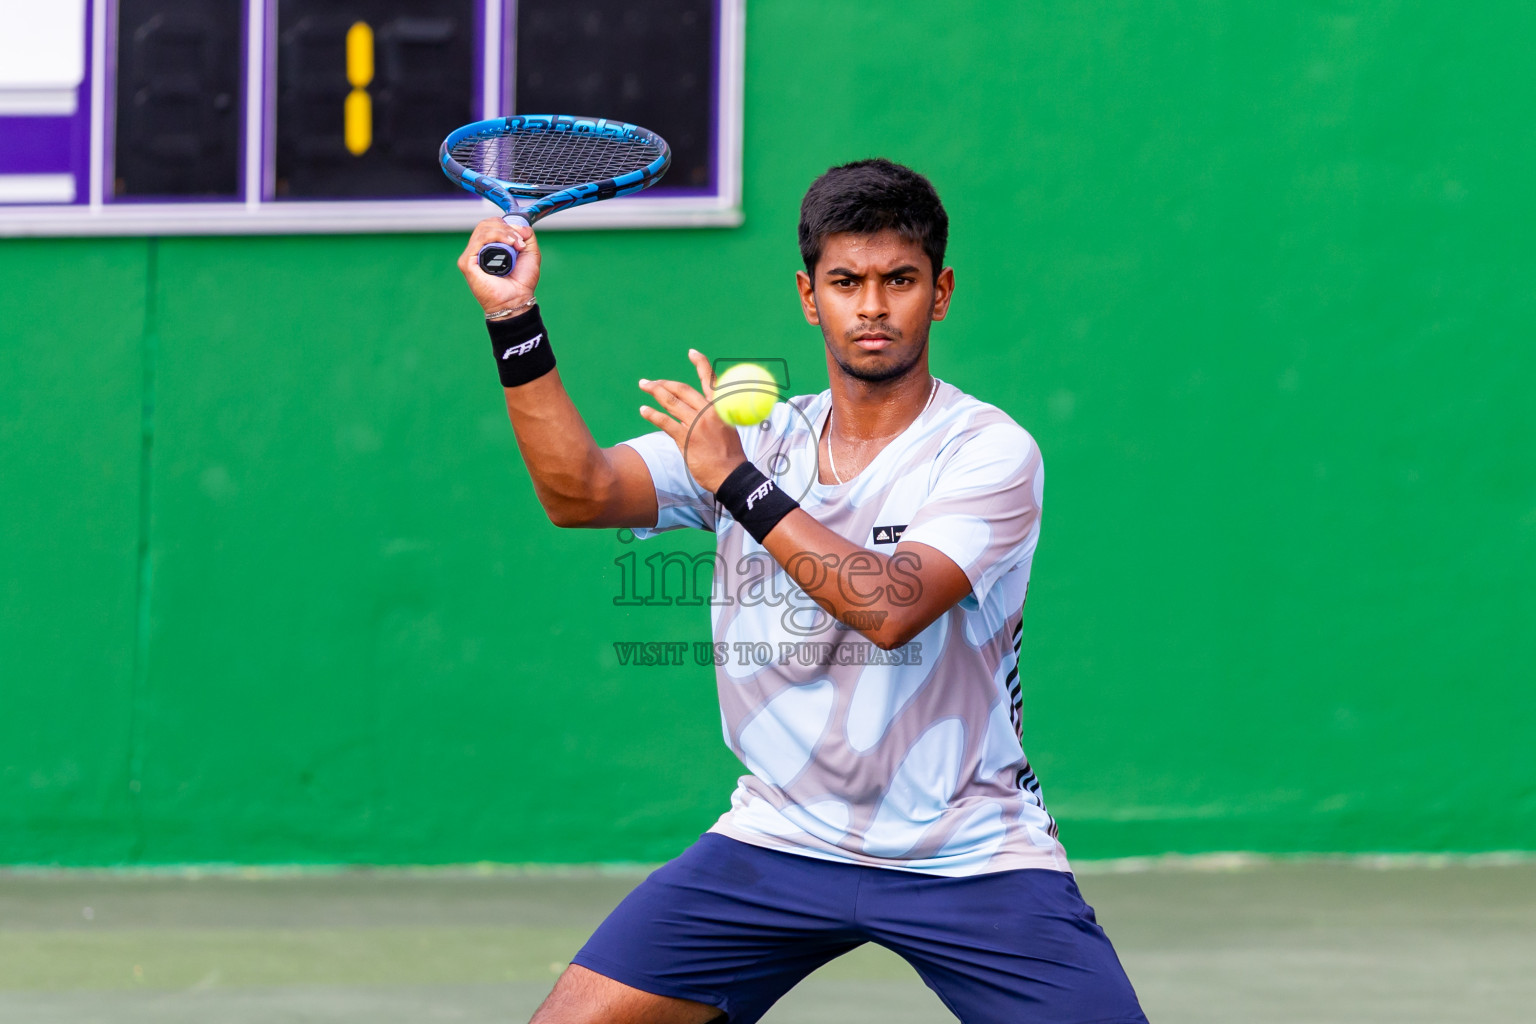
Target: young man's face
[874, 297]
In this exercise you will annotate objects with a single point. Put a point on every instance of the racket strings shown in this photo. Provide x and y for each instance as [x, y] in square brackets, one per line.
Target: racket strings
[552, 161]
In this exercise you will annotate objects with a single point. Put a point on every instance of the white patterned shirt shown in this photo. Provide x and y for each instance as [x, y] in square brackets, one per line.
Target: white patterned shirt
[910, 758]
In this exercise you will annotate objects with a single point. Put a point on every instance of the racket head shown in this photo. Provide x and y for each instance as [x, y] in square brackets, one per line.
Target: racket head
[535, 164]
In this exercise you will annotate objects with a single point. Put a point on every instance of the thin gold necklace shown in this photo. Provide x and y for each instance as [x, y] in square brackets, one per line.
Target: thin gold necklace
[832, 463]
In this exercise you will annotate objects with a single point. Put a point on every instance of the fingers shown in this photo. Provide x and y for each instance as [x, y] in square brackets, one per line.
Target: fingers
[496, 229]
[681, 401]
[705, 371]
[710, 446]
[663, 422]
[494, 292]
[528, 242]
[526, 272]
[656, 418]
[492, 229]
[676, 398]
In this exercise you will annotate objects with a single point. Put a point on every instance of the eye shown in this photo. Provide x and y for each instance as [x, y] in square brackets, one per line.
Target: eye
[900, 281]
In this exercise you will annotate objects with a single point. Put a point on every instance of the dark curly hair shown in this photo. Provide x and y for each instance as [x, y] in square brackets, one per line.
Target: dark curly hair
[868, 196]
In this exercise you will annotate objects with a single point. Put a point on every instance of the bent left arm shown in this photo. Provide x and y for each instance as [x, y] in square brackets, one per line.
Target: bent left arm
[889, 599]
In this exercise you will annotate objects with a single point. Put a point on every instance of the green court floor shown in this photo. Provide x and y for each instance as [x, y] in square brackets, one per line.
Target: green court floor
[1205, 941]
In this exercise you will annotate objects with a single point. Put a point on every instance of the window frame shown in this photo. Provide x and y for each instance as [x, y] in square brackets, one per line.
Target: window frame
[257, 211]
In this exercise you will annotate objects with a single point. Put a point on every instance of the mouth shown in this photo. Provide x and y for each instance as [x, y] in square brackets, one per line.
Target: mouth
[872, 342]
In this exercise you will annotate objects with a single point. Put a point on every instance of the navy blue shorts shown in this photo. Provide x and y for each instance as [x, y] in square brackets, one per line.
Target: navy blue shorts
[736, 926]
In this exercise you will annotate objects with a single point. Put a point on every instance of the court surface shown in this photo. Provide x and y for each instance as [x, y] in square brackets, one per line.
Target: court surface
[1211, 940]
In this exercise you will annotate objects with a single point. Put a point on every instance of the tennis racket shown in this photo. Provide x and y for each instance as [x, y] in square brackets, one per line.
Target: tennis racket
[554, 160]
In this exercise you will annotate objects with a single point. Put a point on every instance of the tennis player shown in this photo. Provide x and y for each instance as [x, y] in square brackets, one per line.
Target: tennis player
[875, 543]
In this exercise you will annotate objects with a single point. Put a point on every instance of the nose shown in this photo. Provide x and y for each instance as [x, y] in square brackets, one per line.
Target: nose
[872, 304]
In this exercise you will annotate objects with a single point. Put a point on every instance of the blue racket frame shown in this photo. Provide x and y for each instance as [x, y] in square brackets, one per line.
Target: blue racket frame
[497, 258]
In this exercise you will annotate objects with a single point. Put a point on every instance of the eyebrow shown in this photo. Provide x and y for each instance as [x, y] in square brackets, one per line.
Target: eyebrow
[906, 269]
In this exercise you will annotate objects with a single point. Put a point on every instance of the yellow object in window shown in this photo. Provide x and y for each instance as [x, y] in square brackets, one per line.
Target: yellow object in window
[358, 127]
[357, 123]
[360, 55]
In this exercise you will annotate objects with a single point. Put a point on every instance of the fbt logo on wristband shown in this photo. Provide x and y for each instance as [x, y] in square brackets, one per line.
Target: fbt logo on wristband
[523, 348]
[761, 492]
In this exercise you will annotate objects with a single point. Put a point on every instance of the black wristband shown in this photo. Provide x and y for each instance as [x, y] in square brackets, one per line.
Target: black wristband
[521, 348]
[754, 501]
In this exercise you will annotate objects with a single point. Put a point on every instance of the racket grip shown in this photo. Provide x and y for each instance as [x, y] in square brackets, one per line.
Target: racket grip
[498, 258]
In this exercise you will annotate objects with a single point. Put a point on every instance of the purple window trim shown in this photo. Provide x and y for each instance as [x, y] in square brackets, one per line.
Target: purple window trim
[37, 145]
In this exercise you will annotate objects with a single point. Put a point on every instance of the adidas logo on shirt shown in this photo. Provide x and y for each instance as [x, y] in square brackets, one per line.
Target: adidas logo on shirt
[889, 534]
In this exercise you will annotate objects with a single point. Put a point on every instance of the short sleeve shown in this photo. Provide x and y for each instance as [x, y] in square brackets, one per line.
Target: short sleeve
[983, 510]
[680, 501]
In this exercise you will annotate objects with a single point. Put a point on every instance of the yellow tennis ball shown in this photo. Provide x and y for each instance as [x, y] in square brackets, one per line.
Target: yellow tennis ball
[745, 394]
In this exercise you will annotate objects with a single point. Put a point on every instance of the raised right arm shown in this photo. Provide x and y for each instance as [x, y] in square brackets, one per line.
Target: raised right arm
[578, 483]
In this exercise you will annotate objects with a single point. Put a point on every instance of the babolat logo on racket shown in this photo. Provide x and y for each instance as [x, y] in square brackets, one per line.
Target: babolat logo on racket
[761, 492]
[522, 348]
[495, 262]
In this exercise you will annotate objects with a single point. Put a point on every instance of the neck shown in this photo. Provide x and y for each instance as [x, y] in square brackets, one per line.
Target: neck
[867, 411]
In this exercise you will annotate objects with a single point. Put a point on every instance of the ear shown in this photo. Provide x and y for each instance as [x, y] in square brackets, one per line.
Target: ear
[943, 291]
[807, 298]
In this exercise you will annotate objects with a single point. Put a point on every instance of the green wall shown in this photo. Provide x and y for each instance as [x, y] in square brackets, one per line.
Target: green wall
[1257, 276]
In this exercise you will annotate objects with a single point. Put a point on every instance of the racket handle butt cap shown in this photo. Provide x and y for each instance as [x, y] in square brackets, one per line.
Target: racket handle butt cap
[498, 258]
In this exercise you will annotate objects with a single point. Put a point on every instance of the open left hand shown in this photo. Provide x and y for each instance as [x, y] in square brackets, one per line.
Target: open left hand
[709, 445]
